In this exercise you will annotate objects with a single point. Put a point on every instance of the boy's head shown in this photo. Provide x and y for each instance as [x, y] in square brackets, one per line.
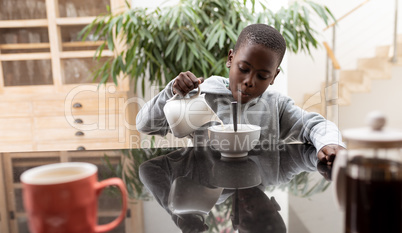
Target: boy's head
[265, 35]
[254, 62]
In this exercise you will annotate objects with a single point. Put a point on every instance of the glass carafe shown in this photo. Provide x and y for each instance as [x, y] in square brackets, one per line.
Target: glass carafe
[368, 178]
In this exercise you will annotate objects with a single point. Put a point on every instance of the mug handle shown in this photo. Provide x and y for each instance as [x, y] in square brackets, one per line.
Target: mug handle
[191, 97]
[99, 187]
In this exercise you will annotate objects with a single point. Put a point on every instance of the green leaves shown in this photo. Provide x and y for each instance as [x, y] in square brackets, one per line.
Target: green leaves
[193, 35]
[294, 24]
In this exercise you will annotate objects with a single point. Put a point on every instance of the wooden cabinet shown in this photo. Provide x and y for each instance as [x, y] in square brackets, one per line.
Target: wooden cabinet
[13, 218]
[47, 98]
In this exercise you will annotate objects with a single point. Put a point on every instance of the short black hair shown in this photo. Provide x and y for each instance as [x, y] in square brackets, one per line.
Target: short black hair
[262, 34]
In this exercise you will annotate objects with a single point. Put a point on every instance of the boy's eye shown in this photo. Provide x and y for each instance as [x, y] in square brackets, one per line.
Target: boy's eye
[243, 70]
[262, 77]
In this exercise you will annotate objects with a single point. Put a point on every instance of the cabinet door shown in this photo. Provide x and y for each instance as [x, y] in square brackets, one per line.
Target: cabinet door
[79, 70]
[15, 109]
[16, 146]
[15, 129]
[18, 10]
[15, 134]
[26, 72]
[78, 122]
[14, 165]
[4, 228]
[76, 8]
[81, 101]
[86, 132]
[78, 145]
[25, 55]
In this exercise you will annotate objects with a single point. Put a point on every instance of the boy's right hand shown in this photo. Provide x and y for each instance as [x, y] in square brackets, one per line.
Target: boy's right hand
[185, 82]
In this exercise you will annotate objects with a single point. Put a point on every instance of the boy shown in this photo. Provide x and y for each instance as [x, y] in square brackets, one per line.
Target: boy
[253, 66]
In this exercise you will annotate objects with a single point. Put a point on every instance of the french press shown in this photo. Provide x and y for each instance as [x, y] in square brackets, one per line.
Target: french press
[368, 178]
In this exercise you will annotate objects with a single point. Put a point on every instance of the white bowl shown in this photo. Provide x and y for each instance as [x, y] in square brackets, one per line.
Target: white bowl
[234, 144]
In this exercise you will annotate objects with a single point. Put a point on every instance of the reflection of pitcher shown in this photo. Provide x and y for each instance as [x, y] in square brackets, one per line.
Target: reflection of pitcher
[368, 179]
[185, 115]
[187, 196]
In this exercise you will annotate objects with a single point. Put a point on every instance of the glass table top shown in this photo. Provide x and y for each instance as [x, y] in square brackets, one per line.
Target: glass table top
[276, 188]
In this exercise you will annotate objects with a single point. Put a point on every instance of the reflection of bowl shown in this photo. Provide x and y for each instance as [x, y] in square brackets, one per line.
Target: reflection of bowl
[234, 144]
[235, 173]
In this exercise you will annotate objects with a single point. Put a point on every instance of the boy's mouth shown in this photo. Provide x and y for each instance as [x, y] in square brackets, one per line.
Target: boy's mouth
[243, 94]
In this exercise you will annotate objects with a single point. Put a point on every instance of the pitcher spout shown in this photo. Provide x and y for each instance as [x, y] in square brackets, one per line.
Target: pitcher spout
[216, 119]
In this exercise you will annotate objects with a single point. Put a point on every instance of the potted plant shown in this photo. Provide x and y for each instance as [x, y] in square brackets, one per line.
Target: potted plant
[193, 35]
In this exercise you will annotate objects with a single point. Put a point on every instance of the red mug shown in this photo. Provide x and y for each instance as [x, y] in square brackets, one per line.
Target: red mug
[63, 197]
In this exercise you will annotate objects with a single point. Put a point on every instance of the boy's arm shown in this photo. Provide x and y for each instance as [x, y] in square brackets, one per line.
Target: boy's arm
[297, 124]
[151, 118]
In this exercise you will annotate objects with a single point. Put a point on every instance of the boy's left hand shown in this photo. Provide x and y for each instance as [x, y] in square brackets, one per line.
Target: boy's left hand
[328, 152]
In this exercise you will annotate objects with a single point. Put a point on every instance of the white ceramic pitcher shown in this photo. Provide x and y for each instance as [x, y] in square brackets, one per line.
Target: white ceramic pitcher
[185, 115]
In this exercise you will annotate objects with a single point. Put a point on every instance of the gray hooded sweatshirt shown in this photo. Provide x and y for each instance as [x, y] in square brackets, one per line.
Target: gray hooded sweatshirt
[280, 120]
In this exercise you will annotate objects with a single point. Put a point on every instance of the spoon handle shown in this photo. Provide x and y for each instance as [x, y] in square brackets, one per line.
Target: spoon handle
[234, 115]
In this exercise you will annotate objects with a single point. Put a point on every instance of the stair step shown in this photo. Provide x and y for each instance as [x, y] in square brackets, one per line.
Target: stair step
[387, 51]
[382, 51]
[350, 81]
[355, 80]
[375, 67]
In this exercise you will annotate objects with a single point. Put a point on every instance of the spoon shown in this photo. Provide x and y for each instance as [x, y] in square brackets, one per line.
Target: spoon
[234, 115]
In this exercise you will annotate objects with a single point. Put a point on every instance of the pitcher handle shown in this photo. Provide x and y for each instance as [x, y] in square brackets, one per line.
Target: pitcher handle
[176, 96]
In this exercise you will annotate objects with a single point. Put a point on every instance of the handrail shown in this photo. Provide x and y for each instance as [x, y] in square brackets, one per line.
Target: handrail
[394, 58]
[331, 55]
[345, 15]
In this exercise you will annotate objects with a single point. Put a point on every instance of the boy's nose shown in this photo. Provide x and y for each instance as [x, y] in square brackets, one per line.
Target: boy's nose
[249, 82]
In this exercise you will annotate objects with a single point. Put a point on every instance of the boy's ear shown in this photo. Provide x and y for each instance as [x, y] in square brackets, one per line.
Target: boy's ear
[277, 72]
[230, 58]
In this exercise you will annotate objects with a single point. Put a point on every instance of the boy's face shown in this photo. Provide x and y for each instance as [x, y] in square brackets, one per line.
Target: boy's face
[252, 69]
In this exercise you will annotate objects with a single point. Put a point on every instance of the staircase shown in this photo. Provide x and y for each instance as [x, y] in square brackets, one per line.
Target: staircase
[359, 80]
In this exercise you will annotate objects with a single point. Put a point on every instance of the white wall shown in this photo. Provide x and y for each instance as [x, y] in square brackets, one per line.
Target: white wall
[384, 96]
[356, 37]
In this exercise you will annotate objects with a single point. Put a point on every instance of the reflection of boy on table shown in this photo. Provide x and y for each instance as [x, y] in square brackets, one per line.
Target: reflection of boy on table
[253, 211]
[253, 66]
[275, 167]
[159, 173]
